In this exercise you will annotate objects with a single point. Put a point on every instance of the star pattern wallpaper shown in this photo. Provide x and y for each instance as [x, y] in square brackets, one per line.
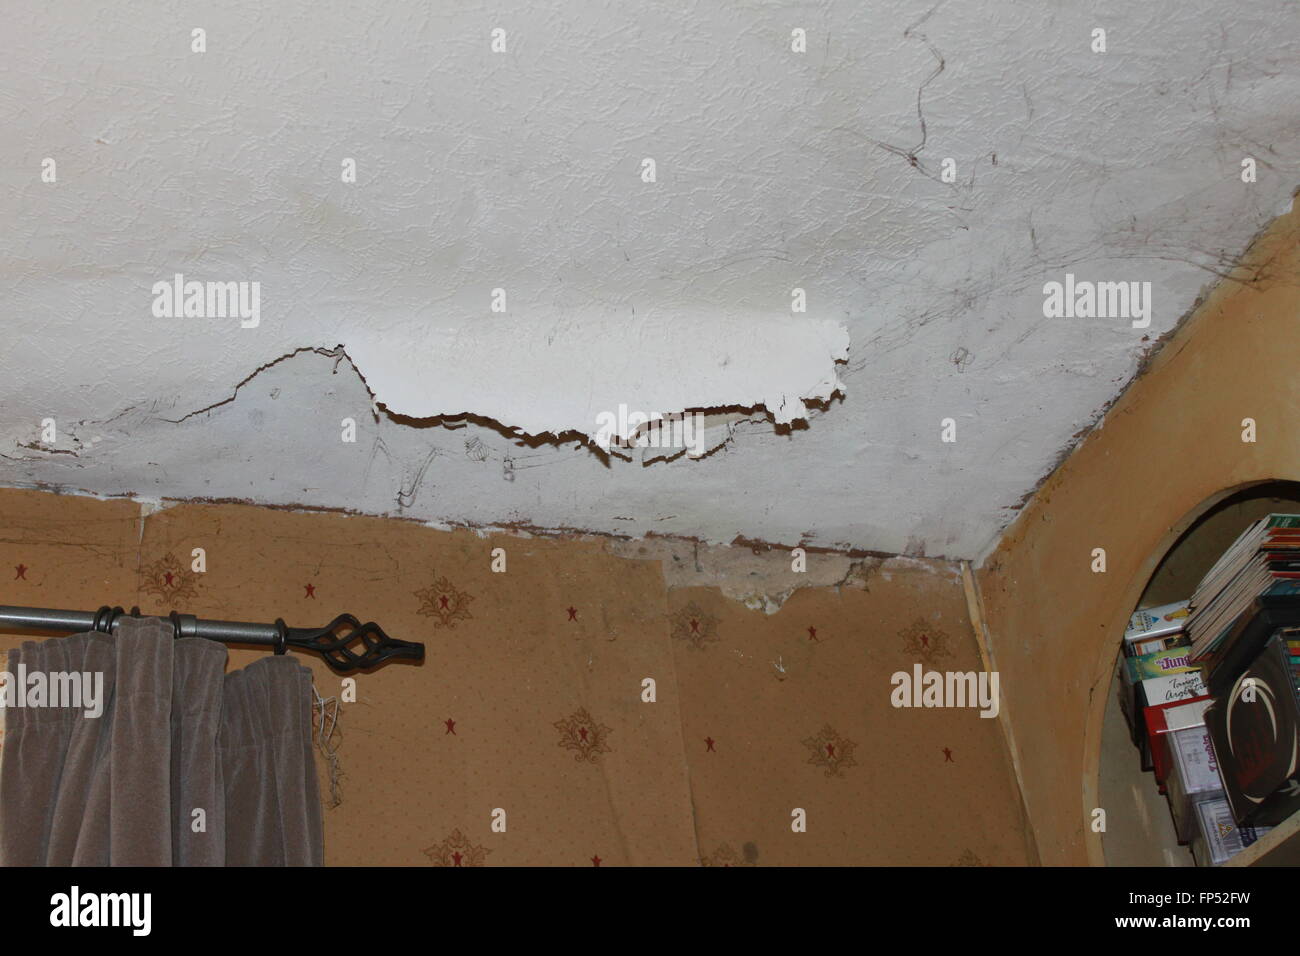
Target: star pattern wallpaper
[572, 708]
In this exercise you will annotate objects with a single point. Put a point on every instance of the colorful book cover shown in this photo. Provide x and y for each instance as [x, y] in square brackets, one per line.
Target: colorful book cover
[1175, 660]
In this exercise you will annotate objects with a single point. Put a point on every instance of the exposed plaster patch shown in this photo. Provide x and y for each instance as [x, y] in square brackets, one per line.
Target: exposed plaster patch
[761, 577]
[508, 371]
[151, 506]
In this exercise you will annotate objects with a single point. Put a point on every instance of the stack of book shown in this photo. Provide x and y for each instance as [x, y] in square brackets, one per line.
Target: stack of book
[1188, 773]
[1181, 750]
[1244, 633]
[1172, 732]
[1263, 562]
[1246, 639]
[1156, 669]
[1211, 689]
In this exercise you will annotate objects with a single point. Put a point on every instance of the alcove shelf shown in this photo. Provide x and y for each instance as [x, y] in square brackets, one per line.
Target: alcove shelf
[1139, 828]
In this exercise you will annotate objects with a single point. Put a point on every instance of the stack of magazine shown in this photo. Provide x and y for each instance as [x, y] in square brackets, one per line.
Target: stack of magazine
[1245, 632]
[1211, 690]
[1263, 562]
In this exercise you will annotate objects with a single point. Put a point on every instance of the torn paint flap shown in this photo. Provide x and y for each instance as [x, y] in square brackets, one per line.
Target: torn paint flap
[554, 377]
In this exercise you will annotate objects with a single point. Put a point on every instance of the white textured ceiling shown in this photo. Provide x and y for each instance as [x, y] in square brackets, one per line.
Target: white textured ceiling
[522, 170]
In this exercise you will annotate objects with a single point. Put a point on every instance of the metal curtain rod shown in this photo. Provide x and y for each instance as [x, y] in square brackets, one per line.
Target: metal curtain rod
[325, 641]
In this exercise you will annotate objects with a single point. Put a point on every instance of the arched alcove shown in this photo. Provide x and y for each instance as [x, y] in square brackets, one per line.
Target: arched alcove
[1139, 829]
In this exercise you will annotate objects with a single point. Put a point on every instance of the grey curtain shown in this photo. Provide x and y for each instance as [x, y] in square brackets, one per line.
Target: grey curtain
[177, 735]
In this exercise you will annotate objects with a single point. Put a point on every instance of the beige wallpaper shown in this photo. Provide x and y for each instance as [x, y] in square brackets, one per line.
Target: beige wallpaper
[532, 708]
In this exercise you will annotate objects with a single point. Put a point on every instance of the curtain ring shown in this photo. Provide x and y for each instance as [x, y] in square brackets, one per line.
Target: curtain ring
[281, 636]
[105, 617]
[176, 625]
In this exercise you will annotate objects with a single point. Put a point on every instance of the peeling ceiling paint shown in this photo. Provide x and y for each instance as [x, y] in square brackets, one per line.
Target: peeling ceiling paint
[664, 364]
[475, 171]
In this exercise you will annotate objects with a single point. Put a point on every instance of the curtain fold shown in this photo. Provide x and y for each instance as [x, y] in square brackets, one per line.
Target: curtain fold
[185, 766]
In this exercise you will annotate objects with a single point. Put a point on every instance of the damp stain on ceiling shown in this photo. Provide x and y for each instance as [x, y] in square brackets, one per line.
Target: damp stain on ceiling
[503, 268]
